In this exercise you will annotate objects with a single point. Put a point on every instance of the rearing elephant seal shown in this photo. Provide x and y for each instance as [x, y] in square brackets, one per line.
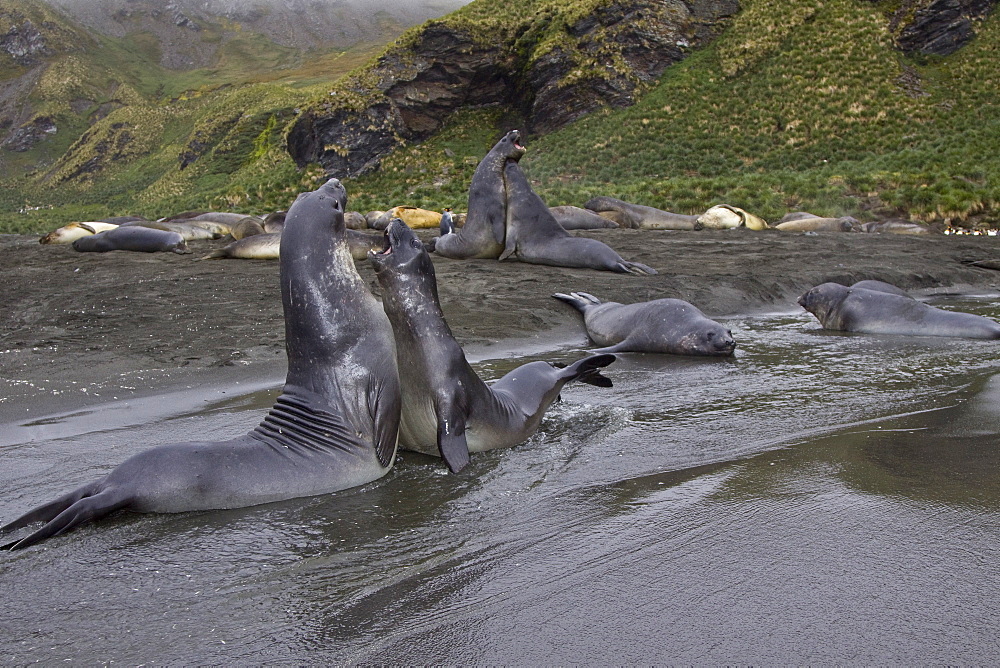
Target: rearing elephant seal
[482, 235]
[447, 409]
[876, 312]
[333, 427]
[660, 326]
[534, 236]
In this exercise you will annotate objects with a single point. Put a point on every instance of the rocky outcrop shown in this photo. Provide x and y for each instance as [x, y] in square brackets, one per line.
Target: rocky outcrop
[25, 137]
[549, 73]
[939, 27]
[24, 43]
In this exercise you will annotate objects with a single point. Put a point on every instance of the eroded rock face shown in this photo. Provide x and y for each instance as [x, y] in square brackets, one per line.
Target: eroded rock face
[26, 136]
[23, 43]
[942, 27]
[607, 57]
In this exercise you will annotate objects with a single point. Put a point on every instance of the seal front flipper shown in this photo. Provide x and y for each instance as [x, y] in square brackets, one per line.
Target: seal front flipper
[452, 443]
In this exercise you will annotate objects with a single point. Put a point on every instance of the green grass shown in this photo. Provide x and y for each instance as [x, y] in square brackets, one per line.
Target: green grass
[799, 105]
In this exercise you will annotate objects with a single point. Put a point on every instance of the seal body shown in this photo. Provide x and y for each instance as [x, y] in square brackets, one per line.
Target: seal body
[878, 312]
[643, 217]
[660, 326]
[132, 238]
[266, 246]
[67, 234]
[818, 224]
[482, 234]
[415, 217]
[334, 426]
[447, 409]
[725, 216]
[534, 236]
[880, 286]
[575, 218]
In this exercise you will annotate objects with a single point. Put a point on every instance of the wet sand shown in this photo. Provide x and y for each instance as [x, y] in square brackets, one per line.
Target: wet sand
[80, 329]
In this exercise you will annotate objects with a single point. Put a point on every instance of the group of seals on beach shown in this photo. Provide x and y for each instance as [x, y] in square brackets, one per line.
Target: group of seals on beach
[365, 378]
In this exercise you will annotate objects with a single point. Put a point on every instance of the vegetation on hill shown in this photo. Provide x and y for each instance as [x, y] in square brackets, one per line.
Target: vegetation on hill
[799, 105]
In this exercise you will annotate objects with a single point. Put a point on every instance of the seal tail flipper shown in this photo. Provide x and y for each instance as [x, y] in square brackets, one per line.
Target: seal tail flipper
[588, 370]
[626, 267]
[214, 255]
[81, 511]
[578, 300]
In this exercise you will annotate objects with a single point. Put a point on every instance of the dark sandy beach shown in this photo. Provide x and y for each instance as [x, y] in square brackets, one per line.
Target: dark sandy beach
[83, 328]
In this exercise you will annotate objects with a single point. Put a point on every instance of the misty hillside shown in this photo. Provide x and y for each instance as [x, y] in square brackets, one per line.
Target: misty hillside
[874, 109]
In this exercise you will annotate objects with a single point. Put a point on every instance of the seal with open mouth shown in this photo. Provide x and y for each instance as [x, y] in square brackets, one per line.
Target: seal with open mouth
[448, 410]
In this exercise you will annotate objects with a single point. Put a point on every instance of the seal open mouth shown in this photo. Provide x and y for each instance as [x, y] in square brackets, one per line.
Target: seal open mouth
[517, 141]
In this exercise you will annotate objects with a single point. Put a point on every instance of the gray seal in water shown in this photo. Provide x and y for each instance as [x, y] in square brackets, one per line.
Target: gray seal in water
[660, 326]
[880, 286]
[877, 312]
[448, 410]
[482, 235]
[132, 238]
[534, 236]
[642, 217]
[334, 426]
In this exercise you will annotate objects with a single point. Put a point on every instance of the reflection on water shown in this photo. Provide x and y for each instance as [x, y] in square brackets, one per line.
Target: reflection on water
[820, 497]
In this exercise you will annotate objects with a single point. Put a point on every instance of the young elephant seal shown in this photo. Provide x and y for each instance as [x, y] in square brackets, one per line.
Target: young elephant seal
[660, 326]
[878, 312]
[333, 427]
[534, 236]
[447, 409]
[132, 238]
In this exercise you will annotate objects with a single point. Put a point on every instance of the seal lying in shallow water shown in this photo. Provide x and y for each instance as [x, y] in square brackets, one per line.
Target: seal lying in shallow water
[132, 238]
[534, 236]
[660, 326]
[643, 217]
[447, 409]
[877, 312]
[482, 235]
[333, 427]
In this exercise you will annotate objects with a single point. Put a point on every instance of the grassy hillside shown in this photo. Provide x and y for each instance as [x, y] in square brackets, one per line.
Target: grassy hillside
[799, 105]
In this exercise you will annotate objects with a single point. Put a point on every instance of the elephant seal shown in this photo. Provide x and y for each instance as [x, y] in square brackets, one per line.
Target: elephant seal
[660, 326]
[534, 236]
[575, 218]
[818, 224]
[355, 221]
[274, 221]
[334, 425]
[877, 312]
[67, 234]
[248, 227]
[416, 218]
[638, 216]
[897, 227]
[482, 236]
[448, 411]
[880, 286]
[724, 217]
[265, 246]
[132, 238]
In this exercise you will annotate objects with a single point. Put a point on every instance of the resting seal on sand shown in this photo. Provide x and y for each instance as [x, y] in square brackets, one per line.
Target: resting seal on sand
[534, 236]
[643, 217]
[448, 410]
[482, 235]
[877, 312]
[67, 234]
[817, 224]
[267, 246]
[575, 218]
[660, 326]
[333, 427]
[141, 239]
[724, 217]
